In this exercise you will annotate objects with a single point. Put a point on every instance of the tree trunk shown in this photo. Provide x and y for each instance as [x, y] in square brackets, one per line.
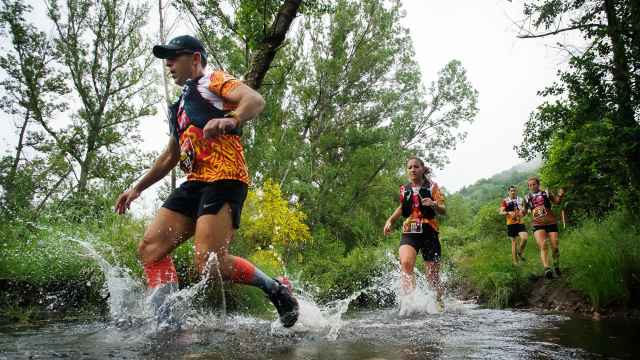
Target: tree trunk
[625, 122]
[10, 185]
[635, 43]
[87, 163]
[165, 81]
[265, 53]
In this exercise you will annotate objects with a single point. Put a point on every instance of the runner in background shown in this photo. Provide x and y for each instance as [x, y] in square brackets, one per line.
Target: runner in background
[512, 207]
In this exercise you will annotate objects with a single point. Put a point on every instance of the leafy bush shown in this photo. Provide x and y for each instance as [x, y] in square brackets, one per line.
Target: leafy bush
[604, 258]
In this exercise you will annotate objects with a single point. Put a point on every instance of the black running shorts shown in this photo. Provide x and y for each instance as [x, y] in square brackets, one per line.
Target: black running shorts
[514, 229]
[427, 242]
[548, 228]
[196, 198]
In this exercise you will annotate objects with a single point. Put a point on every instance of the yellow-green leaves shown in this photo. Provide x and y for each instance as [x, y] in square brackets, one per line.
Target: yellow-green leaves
[269, 220]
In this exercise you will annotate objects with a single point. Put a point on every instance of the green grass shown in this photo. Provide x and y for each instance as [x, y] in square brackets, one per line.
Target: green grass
[486, 266]
[601, 259]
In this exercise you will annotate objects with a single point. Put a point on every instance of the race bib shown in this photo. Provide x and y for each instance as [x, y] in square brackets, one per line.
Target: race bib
[539, 212]
[187, 156]
[412, 226]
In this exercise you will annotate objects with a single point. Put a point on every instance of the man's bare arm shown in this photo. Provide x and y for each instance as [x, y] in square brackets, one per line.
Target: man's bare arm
[249, 104]
[167, 160]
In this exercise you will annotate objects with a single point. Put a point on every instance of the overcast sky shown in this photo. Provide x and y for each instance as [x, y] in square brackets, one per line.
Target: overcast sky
[505, 70]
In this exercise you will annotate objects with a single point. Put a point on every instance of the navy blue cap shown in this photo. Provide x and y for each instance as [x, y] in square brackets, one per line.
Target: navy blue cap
[183, 44]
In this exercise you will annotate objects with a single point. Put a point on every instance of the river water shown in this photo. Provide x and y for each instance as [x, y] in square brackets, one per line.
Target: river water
[414, 328]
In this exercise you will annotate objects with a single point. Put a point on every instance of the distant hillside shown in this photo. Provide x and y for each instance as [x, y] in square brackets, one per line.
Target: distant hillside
[485, 190]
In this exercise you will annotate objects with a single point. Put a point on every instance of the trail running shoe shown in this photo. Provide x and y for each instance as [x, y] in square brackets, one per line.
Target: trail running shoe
[284, 302]
[557, 270]
[548, 273]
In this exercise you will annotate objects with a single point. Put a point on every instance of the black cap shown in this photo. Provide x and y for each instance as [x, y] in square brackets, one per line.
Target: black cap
[179, 45]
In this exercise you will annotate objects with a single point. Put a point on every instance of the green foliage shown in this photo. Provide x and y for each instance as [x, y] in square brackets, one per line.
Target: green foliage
[34, 90]
[485, 265]
[334, 273]
[575, 162]
[495, 187]
[588, 128]
[604, 258]
[488, 221]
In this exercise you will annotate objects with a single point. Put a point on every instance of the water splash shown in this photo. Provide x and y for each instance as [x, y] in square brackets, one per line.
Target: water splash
[328, 320]
[180, 304]
[126, 294]
[122, 291]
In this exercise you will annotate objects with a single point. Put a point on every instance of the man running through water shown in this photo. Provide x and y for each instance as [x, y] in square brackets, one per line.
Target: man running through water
[538, 202]
[420, 201]
[513, 208]
[205, 127]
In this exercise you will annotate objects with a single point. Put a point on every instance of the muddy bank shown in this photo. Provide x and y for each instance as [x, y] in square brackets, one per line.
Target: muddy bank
[538, 293]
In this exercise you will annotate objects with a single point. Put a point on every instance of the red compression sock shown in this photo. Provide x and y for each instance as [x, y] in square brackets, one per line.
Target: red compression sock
[160, 272]
[242, 271]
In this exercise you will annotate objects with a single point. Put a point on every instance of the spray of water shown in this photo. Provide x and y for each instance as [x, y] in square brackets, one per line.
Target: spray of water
[126, 296]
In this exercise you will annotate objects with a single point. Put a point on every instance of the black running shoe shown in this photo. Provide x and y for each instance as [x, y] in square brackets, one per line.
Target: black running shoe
[557, 270]
[285, 303]
[548, 273]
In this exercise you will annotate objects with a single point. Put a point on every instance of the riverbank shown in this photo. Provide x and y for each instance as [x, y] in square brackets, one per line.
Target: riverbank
[600, 263]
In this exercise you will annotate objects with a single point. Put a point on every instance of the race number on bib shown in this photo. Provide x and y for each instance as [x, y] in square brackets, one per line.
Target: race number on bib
[412, 226]
[539, 212]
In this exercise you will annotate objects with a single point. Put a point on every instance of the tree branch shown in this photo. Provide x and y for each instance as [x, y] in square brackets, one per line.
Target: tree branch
[265, 53]
[555, 32]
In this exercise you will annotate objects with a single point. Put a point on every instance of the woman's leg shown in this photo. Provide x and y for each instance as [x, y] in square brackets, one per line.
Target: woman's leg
[407, 261]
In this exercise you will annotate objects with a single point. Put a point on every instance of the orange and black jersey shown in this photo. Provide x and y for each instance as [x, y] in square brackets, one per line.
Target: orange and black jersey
[515, 205]
[208, 160]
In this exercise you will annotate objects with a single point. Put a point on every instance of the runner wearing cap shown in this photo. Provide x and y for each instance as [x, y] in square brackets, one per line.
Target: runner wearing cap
[205, 127]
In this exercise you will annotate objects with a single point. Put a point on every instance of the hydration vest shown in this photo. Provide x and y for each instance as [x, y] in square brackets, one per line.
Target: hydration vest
[531, 197]
[512, 204]
[198, 110]
[408, 200]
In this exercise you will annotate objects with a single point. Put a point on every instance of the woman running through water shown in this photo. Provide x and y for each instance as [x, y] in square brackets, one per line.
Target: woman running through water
[420, 201]
[538, 202]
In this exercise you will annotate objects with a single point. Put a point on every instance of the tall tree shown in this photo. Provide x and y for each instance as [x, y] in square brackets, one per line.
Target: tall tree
[345, 104]
[33, 94]
[596, 92]
[354, 109]
[109, 65]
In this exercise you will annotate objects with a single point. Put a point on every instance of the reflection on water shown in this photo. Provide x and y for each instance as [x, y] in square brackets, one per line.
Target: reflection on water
[411, 329]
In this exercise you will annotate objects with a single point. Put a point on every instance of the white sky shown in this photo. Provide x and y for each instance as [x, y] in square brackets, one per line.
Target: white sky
[505, 70]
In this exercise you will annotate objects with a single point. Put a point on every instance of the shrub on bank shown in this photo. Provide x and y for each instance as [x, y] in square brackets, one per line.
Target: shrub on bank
[604, 258]
[486, 266]
[601, 259]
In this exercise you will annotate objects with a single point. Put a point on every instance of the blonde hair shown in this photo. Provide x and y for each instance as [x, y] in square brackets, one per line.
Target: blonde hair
[535, 178]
